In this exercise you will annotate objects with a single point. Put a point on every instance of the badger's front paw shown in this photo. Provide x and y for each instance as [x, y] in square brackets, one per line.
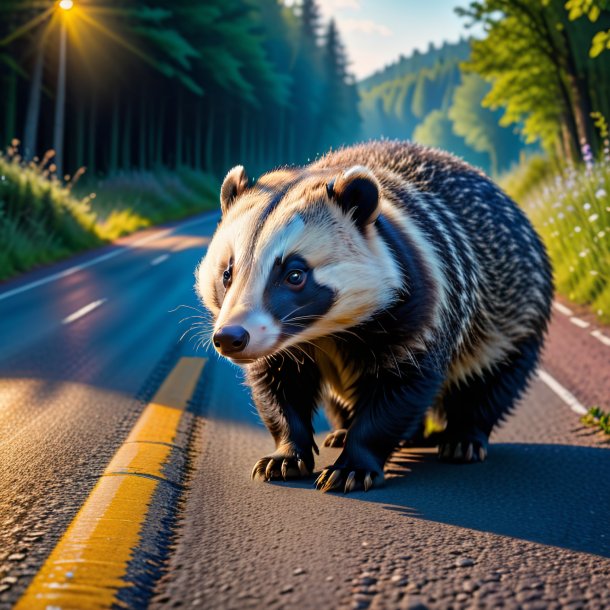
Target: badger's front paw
[283, 465]
[349, 474]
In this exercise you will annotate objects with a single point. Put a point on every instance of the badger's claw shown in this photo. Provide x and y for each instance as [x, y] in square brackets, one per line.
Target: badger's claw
[336, 438]
[347, 479]
[274, 467]
[462, 452]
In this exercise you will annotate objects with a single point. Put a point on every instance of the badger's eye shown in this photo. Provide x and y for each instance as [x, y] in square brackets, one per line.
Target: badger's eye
[226, 276]
[295, 278]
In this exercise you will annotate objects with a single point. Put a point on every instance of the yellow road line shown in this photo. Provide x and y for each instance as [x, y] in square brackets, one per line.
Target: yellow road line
[89, 565]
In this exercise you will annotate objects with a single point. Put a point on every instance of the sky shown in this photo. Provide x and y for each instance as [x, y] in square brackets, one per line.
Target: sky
[376, 32]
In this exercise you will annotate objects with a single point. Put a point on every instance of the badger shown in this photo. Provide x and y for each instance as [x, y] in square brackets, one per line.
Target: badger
[383, 281]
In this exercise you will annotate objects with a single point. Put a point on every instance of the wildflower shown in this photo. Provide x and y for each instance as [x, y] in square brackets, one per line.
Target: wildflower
[601, 234]
[582, 254]
[560, 215]
[570, 208]
[586, 206]
[593, 217]
[593, 272]
[600, 194]
[577, 229]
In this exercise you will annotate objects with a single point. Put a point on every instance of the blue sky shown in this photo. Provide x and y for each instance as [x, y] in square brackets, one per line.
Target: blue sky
[376, 32]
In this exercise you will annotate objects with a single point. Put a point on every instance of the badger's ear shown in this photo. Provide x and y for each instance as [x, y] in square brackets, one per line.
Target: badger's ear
[233, 186]
[357, 192]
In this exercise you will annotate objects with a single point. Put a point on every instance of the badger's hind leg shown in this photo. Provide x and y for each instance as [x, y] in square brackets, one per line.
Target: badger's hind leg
[474, 407]
[339, 418]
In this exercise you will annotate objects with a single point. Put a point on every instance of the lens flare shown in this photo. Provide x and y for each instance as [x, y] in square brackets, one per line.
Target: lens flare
[66, 5]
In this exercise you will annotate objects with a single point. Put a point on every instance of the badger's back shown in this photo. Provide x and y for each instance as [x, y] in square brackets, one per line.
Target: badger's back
[492, 271]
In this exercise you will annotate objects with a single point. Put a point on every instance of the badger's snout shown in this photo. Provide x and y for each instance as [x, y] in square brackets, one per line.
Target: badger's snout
[230, 340]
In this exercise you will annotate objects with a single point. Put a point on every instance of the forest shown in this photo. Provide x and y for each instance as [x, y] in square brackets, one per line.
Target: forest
[196, 84]
[149, 103]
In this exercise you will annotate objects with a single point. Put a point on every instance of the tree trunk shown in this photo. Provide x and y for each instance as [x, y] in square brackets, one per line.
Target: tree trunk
[126, 155]
[10, 118]
[30, 137]
[226, 142]
[161, 134]
[80, 133]
[91, 161]
[179, 128]
[243, 135]
[114, 135]
[198, 139]
[142, 134]
[209, 140]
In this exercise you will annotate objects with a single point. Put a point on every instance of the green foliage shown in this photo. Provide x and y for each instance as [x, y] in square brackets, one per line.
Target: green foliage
[39, 220]
[597, 418]
[437, 130]
[127, 202]
[528, 178]
[600, 42]
[42, 221]
[439, 106]
[205, 85]
[538, 64]
[571, 211]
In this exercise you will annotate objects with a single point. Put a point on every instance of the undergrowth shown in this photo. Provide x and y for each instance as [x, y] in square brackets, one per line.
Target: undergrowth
[597, 418]
[571, 211]
[43, 220]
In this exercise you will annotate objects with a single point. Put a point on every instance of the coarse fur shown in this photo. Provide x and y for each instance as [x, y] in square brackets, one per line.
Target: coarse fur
[382, 281]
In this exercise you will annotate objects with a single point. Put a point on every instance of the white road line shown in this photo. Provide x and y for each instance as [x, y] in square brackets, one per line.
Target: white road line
[83, 311]
[160, 259]
[601, 337]
[99, 259]
[562, 309]
[564, 394]
[580, 323]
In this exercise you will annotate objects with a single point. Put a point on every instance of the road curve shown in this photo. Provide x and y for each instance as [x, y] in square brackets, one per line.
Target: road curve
[82, 351]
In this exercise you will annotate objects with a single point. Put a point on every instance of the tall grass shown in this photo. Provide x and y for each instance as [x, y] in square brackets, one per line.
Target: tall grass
[571, 211]
[43, 220]
[134, 200]
[39, 220]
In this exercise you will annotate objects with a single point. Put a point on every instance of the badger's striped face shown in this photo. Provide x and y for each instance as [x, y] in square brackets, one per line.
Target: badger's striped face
[295, 258]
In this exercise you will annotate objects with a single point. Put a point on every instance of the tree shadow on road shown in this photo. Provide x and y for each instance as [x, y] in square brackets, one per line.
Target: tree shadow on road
[551, 494]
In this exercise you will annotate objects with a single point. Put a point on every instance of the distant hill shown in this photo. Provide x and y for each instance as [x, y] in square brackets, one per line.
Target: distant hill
[458, 51]
[426, 97]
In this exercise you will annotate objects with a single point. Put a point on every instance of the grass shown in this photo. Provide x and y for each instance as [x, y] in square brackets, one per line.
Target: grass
[597, 418]
[571, 211]
[43, 220]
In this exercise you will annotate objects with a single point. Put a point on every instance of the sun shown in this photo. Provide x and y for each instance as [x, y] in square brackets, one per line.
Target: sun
[66, 5]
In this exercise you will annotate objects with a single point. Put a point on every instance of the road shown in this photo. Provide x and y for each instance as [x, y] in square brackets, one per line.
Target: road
[84, 349]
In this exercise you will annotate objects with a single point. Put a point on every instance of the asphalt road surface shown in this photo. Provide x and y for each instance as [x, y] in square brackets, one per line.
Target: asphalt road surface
[82, 351]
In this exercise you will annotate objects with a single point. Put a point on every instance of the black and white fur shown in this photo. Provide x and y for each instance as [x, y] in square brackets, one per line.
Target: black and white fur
[382, 281]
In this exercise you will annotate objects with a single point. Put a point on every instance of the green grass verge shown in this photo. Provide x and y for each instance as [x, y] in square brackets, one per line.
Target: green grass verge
[42, 220]
[571, 211]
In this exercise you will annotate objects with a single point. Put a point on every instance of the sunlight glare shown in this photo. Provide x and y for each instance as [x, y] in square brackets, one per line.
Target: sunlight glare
[66, 5]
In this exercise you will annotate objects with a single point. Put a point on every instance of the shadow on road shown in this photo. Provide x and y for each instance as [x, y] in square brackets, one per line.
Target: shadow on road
[552, 494]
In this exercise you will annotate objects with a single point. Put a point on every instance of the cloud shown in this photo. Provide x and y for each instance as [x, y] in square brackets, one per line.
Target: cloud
[365, 26]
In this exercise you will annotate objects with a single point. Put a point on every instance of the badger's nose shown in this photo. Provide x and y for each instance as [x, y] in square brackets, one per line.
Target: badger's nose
[231, 339]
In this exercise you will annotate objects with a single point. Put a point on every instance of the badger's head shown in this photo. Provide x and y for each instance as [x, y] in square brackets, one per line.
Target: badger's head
[295, 258]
